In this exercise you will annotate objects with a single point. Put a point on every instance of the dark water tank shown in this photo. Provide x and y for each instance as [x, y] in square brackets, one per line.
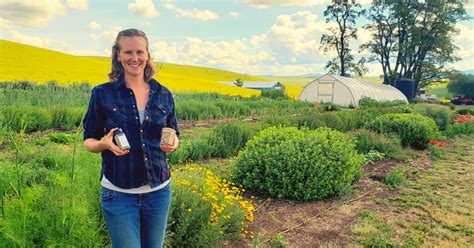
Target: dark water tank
[406, 86]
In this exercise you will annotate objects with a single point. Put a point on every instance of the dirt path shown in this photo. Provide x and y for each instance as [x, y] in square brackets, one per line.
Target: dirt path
[433, 208]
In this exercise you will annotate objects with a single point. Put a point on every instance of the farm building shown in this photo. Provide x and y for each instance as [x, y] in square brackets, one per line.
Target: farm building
[258, 85]
[346, 91]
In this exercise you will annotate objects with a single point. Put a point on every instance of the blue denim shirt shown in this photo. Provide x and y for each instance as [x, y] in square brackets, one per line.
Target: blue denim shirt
[113, 105]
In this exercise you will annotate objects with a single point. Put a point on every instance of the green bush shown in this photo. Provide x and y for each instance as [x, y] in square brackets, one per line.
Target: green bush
[414, 130]
[367, 102]
[465, 111]
[61, 138]
[298, 164]
[66, 117]
[440, 114]
[274, 94]
[373, 156]
[395, 178]
[458, 128]
[222, 142]
[367, 140]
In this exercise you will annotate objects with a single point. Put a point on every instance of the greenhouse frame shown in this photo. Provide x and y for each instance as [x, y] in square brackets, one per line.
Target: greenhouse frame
[346, 92]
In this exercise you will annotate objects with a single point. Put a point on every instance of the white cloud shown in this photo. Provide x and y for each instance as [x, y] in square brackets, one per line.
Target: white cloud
[111, 34]
[78, 4]
[145, 8]
[295, 38]
[197, 14]
[464, 40]
[234, 14]
[30, 13]
[49, 42]
[203, 15]
[221, 54]
[260, 4]
[169, 5]
[108, 36]
[94, 25]
[268, 3]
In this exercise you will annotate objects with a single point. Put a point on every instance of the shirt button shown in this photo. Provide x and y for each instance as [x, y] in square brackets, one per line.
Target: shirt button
[146, 117]
[131, 93]
[134, 105]
[141, 130]
[136, 118]
[146, 159]
[143, 144]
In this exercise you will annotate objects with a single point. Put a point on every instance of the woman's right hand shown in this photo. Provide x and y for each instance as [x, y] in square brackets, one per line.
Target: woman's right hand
[108, 144]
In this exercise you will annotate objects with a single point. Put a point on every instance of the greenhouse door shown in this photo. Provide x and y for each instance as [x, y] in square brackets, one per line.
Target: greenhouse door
[326, 92]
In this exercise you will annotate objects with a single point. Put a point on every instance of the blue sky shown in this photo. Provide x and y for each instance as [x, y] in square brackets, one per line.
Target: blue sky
[258, 37]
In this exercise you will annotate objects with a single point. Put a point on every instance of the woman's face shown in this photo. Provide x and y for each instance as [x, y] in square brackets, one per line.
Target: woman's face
[133, 55]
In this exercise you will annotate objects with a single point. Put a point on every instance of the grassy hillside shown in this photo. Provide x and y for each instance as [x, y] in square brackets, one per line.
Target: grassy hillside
[22, 62]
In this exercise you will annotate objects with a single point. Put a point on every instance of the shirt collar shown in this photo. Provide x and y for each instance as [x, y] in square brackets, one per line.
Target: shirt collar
[154, 85]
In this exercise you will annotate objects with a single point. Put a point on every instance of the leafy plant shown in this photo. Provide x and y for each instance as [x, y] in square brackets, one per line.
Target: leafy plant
[395, 178]
[278, 242]
[368, 140]
[373, 156]
[299, 164]
[440, 114]
[413, 129]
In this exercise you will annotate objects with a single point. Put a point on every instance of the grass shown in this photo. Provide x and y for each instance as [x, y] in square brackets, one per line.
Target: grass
[435, 210]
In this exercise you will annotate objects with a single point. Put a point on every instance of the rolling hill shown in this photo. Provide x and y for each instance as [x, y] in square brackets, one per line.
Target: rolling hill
[21, 62]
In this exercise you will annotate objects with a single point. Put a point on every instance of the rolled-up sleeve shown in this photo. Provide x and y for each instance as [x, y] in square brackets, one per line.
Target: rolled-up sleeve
[94, 119]
[171, 120]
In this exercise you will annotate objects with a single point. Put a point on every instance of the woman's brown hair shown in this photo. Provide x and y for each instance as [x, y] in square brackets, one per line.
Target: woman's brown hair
[117, 68]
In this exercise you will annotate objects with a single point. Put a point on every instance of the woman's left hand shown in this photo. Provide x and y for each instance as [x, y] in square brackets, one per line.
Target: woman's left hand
[170, 148]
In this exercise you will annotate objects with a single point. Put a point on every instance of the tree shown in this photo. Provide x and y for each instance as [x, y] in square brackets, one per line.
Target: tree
[345, 15]
[238, 82]
[413, 39]
[462, 84]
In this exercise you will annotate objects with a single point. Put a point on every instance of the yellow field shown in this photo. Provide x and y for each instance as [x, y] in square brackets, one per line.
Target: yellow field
[27, 63]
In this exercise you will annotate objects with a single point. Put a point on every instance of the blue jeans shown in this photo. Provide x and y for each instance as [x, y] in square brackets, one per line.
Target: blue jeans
[136, 220]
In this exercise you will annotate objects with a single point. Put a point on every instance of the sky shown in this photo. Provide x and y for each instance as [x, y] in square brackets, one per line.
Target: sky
[257, 37]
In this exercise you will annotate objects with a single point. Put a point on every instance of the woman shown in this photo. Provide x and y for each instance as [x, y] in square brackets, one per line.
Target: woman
[136, 181]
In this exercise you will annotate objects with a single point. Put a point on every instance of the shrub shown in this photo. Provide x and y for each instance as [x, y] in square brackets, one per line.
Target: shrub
[66, 117]
[61, 138]
[274, 94]
[413, 129]
[440, 114]
[373, 156]
[278, 242]
[465, 111]
[367, 102]
[367, 140]
[395, 178]
[298, 164]
[205, 209]
[436, 148]
[460, 124]
[223, 141]
[26, 118]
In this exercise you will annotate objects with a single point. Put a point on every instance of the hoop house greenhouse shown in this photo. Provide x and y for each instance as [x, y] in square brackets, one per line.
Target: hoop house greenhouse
[347, 92]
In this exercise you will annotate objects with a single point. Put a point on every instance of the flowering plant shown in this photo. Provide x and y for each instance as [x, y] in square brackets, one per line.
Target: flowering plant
[461, 118]
[436, 148]
[206, 208]
[438, 143]
[460, 124]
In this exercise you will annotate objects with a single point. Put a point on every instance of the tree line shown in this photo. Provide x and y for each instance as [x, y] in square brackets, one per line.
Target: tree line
[409, 38]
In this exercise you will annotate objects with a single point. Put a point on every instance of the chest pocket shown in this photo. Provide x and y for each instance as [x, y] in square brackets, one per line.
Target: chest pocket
[159, 114]
[116, 116]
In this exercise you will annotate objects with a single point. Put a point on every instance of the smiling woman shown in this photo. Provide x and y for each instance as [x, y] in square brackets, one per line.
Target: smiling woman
[135, 182]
